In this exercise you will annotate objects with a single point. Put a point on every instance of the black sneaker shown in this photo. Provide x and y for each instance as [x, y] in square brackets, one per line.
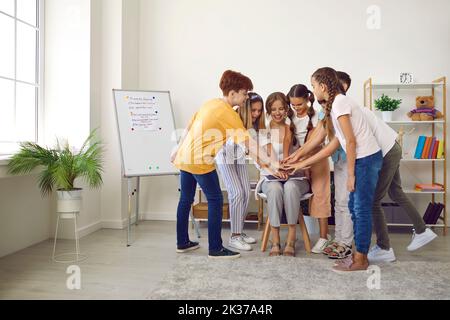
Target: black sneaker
[224, 254]
[188, 247]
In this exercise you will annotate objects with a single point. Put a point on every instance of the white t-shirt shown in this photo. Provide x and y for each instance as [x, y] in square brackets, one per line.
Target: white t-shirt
[301, 126]
[385, 135]
[366, 143]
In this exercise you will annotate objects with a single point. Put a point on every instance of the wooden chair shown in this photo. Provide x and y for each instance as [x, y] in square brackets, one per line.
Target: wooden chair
[301, 221]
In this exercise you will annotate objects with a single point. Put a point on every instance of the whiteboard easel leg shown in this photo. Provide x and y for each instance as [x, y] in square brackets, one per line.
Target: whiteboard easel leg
[130, 193]
[138, 184]
[196, 226]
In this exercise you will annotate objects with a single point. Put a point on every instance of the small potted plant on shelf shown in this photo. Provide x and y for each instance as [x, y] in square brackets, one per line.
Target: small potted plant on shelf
[60, 166]
[387, 106]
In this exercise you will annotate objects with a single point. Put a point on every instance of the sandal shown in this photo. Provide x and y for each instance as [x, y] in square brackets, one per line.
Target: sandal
[349, 265]
[275, 250]
[290, 252]
[340, 252]
[330, 247]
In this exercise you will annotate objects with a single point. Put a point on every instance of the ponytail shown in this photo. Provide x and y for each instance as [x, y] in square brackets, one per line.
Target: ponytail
[292, 126]
[311, 111]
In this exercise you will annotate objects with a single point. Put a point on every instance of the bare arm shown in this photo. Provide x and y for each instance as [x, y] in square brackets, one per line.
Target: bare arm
[346, 127]
[317, 138]
[327, 151]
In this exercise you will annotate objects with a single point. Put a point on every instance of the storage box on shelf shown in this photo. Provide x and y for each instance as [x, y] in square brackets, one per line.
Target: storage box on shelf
[200, 209]
[434, 86]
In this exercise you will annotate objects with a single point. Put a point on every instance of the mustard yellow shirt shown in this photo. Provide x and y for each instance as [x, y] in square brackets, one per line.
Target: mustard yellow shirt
[211, 127]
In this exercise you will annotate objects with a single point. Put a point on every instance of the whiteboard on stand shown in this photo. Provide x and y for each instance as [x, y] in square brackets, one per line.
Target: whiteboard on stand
[146, 129]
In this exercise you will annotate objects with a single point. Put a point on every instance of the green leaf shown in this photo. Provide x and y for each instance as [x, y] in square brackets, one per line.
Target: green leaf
[385, 103]
[60, 166]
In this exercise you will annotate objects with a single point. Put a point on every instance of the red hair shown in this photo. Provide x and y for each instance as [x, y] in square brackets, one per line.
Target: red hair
[236, 81]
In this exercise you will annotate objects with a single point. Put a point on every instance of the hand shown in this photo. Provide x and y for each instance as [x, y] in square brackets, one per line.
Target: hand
[295, 157]
[293, 168]
[351, 183]
[282, 175]
[279, 174]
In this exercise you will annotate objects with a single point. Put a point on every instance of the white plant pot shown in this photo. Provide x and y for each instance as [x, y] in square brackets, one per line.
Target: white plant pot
[387, 115]
[69, 203]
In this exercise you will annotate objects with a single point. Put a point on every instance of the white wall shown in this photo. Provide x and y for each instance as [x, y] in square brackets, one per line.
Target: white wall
[24, 214]
[67, 70]
[186, 45]
[114, 56]
[67, 92]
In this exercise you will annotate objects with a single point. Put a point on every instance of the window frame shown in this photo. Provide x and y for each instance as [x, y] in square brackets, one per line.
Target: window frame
[6, 146]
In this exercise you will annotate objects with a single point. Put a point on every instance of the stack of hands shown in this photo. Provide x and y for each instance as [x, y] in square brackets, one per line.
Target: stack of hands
[287, 167]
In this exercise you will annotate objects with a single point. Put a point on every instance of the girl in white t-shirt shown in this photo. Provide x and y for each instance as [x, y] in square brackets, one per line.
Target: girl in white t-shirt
[347, 126]
[305, 120]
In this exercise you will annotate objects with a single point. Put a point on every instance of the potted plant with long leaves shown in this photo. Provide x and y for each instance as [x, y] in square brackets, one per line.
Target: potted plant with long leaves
[60, 166]
[387, 106]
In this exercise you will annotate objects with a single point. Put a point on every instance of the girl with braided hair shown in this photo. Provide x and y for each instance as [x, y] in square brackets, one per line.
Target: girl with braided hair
[305, 121]
[346, 125]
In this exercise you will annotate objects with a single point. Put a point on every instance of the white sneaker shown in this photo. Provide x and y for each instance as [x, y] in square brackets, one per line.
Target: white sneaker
[378, 255]
[320, 245]
[419, 240]
[239, 243]
[248, 239]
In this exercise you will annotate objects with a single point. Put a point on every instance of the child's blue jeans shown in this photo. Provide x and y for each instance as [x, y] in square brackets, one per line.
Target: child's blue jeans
[360, 202]
[211, 188]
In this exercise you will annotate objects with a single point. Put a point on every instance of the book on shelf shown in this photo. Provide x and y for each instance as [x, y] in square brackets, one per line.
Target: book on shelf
[435, 213]
[429, 148]
[435, 150]
[431, 187]
[440, 153]
[428, 211]
[420, 146]
[432, 145]
[426, 149]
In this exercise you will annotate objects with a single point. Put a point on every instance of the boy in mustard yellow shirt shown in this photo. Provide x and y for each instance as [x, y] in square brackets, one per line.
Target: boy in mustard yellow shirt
[208, 131]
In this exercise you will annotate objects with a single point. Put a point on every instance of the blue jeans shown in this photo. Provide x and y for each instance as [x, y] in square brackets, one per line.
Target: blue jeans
[360, 202]
[211, 188]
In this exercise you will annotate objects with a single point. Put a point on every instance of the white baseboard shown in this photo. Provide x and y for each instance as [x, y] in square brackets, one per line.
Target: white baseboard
[121, 224]
[159, 216]
[114, 224]
[82, 232]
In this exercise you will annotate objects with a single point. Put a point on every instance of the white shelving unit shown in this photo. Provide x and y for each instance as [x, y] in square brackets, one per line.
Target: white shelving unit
[441, 84]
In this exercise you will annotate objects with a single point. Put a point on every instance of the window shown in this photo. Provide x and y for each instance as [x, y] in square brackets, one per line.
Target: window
[21, 76]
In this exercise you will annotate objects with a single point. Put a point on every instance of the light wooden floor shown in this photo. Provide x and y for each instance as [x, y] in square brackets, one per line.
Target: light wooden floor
[113, 271]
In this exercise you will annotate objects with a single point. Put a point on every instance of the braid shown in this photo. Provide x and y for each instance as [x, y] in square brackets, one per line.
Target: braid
[329, 124]
[328, 77]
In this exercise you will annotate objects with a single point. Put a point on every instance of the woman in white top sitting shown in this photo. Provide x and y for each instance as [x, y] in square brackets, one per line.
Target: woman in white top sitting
[282, 194]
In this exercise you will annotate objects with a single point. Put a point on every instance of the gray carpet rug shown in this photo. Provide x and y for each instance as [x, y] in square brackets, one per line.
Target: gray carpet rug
[254, 278]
